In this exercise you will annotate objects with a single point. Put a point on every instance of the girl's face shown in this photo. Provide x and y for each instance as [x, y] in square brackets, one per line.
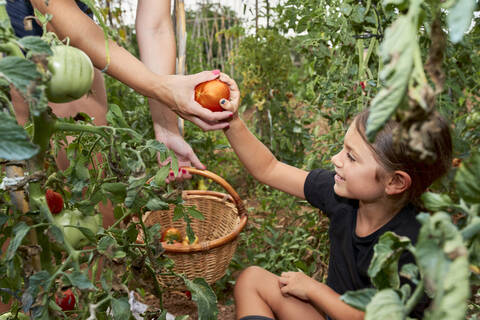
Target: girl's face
[358, 174]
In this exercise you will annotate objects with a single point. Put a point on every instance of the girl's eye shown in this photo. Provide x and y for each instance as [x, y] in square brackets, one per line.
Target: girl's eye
[349, 156]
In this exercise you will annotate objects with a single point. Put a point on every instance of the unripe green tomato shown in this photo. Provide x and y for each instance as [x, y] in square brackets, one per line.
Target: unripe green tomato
[73, 235]
[72, 74]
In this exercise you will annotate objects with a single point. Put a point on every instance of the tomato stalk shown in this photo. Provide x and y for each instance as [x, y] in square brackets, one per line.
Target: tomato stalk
[415, 297]
[74, 127]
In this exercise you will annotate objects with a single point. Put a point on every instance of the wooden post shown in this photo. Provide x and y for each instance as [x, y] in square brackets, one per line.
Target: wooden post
[181, 37]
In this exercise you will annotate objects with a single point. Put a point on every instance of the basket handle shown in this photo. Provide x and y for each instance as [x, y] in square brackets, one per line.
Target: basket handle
[224, 184]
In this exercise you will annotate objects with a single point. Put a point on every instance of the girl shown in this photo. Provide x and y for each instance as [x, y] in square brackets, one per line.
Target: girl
[370, 192]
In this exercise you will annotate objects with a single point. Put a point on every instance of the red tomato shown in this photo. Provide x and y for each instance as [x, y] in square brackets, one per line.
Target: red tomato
[66, 300]
[209, 93]
[54, 201]
[171, 235]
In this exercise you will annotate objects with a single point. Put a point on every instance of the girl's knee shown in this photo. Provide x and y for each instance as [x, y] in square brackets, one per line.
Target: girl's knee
[252, 278]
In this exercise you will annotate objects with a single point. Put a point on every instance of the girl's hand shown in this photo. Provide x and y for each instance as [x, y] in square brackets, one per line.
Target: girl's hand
[296, 284]
[233, 102]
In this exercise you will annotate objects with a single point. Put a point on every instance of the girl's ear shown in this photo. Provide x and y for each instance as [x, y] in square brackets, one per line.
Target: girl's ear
[399, 182]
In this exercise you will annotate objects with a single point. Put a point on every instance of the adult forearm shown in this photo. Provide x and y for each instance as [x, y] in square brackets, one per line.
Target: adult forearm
[69, 21]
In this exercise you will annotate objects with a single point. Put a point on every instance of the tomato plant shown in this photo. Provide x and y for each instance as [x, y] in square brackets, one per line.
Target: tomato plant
[71, 74]
[209, 94]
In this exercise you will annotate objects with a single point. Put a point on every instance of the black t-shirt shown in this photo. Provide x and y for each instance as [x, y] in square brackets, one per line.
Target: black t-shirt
[350, 255]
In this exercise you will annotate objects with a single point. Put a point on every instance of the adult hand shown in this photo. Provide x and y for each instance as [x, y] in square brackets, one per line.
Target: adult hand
[184, 153]
[297, 284]
[181, 100]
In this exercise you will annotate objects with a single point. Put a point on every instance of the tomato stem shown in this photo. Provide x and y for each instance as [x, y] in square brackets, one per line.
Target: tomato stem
[415, 297]
[74, 127]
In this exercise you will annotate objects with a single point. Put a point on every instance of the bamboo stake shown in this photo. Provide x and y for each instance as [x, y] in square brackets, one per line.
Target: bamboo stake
[181, 35]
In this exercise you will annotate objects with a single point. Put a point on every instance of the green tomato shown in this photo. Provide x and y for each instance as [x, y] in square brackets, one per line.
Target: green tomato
[72, 74]
[73, 235]
[9, 316]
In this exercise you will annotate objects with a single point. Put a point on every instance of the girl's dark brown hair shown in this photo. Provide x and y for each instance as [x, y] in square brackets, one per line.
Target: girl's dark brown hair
[398, 157]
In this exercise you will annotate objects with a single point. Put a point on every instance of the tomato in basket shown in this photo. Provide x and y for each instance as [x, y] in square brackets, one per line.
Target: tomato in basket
[171, 235]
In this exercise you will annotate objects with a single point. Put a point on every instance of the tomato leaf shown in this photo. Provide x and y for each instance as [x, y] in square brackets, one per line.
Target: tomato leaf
[359, 299]
[397, 53]
[194, 213]
[20, 231]
[435, 201]
[161, 175]
[467, 179]
[14, 141]
[116, 192]
[35, 45]
[205, 298]
[20, 72]
[156, 204]
[459, 18]
[115, 117]
[443, 262]
[79, 280]
[121, 308]
[385, 304]
[383, 268]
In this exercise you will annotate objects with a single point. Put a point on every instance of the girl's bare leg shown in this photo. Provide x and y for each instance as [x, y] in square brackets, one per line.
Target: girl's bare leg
[257, 292]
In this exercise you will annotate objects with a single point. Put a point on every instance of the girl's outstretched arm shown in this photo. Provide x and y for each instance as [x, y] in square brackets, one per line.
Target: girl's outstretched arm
[255, 156]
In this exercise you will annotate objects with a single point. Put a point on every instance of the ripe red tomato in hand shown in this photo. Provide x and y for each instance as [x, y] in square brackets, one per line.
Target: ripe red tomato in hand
[171, 235]
[209, 93]
[54, 201]
[66, 300]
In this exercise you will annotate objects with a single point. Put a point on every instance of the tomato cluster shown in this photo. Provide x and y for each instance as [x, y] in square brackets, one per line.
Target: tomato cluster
[174, 236]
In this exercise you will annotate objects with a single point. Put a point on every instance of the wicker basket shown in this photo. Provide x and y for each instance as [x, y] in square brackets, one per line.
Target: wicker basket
[225, 216]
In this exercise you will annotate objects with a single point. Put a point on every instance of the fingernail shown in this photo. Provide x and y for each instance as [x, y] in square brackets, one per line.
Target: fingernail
[223, 101]
[231, 116]
[184, 171]
[227, 127]
[179, 169]
[171, 174]
[216, 72]
[204, 167]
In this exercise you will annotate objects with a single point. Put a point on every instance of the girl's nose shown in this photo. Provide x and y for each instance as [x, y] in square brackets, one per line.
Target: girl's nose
[336, 160]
